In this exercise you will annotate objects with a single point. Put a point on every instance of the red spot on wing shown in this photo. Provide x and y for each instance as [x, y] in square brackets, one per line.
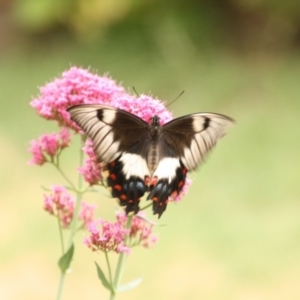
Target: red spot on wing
[118, 187]
[113, 176]
[123, 197]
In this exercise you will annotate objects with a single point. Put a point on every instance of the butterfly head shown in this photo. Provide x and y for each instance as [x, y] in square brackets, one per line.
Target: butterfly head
[154, 121]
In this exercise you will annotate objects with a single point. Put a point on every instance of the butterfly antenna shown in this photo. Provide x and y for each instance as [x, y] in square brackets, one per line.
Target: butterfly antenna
[135, 91]
[175, 99]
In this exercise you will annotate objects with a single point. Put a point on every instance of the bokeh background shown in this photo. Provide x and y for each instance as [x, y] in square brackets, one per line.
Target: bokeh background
[236, 235]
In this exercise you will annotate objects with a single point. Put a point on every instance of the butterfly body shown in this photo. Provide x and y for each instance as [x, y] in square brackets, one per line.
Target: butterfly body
[149, 157]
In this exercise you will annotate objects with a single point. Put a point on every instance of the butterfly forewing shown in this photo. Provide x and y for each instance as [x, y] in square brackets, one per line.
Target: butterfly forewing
[108, 126]
[193, 136]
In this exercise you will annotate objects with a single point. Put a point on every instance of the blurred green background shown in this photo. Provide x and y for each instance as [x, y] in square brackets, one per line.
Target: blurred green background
[236, 235]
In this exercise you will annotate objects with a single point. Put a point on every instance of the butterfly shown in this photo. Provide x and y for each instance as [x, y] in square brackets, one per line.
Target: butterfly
[143, 157]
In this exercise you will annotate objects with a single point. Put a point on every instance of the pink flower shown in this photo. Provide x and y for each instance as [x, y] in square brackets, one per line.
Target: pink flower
[144, 107]
[49, 143]
[37, 152]
[60, 204]
[79, 86]
[106, 236]
[65, 138]
[91, 171]
[140, 229]
[87, 214]
[48, 146]
[75, 86]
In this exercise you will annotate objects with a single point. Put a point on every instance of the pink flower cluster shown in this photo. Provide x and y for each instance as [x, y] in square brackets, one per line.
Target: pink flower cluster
[76, 86]
[48, 146]
[79, 86]
[86, 215]
[106, 236]
[60, 204]
[140, 229]
[91, 171]
[143, 106]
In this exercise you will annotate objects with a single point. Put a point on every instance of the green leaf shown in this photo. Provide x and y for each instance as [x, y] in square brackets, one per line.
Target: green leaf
[130, 285]
[65, 261]
[103, 279]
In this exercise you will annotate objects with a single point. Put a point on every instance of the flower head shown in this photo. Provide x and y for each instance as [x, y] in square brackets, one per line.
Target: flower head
[145, 107]
[91, 170]
[80, 86]
[140, 229]
[60, 204]
[106, 236]
[75, 86]
[48, 146]
[87, 214]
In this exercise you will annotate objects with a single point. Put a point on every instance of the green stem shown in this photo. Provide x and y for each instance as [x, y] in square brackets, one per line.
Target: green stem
[145, 207]
[109, 268]
[61, 286]
[61, 235]
[112, 296]
[75, 218]
[64, 176]
[121, 262]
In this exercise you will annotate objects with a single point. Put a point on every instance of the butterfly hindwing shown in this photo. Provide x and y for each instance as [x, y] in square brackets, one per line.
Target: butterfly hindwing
[126, 179]
[167, 181]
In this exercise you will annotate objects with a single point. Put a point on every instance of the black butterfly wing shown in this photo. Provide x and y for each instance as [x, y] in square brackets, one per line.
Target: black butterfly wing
[112, 130]
[121, 141]
[184, 144]
[193, 136]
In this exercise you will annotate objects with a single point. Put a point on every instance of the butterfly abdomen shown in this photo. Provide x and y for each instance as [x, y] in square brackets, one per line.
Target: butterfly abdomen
[153, 155]
[152, 160]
